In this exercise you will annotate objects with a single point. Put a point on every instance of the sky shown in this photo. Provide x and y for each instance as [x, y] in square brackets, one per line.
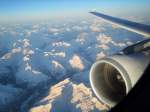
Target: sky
[14, 10]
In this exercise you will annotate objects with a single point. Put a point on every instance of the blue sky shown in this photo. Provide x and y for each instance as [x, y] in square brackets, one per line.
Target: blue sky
[38, 9]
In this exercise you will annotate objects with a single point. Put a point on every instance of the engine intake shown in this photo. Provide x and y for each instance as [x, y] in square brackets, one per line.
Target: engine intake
[113, 77]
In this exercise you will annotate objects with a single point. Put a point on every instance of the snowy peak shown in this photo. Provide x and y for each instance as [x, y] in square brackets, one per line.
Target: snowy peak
[68, 97]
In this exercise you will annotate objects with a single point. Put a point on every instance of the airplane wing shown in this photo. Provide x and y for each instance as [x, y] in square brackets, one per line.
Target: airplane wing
[128, 25]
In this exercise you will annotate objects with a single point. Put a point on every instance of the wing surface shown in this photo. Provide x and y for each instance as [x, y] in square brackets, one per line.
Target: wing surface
[126, 24]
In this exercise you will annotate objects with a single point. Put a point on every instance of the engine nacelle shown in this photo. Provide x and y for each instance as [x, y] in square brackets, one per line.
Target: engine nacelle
[113, 77]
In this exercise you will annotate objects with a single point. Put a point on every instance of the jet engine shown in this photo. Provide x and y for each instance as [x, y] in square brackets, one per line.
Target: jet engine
[113, 77]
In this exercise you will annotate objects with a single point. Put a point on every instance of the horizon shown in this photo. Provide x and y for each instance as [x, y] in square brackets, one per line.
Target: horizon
[30, 10]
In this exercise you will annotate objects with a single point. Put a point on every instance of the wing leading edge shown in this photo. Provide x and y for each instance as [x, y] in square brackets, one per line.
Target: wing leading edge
[128, 25]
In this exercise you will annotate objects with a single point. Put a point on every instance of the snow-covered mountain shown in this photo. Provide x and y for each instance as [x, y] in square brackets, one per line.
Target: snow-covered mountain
[67, 96]
[45, 66]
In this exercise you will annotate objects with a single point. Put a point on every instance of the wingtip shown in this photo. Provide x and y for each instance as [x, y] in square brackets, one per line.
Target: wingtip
[92, 12]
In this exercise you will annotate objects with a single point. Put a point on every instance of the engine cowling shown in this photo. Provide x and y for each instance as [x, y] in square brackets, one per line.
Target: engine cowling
[113, 77]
